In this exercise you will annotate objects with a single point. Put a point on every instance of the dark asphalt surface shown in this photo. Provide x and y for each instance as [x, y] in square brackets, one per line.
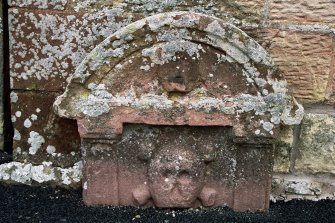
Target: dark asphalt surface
[37, 204]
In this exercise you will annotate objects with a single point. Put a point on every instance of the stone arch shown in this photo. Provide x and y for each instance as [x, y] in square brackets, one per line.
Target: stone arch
[255, 109]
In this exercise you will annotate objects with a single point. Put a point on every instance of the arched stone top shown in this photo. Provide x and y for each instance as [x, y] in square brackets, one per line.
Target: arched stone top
[179, 68]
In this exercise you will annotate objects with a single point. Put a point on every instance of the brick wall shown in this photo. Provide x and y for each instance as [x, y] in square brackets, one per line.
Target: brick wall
[48, 39]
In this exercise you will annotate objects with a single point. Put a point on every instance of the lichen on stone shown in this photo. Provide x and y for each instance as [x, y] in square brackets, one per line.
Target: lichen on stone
[168, 51]
[35, 140]
[172, 34]
[26, 173]
[41, 4]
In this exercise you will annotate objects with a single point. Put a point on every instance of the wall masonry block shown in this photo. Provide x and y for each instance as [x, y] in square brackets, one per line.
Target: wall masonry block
[43, 174]
[304, 58]
[236, 11]
[297, 186]
[39, 4]
[282, 151]
[317, 144]
[49, 45]
[40, 135]
[331, 83]
[302, 11]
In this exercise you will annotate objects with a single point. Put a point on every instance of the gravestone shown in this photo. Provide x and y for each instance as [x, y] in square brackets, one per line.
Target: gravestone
[178, 110]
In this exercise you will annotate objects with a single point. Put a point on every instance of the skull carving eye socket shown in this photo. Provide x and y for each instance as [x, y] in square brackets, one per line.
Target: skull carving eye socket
[177, 78]
[168, 173]
[185, 174]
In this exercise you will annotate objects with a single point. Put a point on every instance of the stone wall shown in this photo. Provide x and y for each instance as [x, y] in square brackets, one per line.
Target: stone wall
[48, 39]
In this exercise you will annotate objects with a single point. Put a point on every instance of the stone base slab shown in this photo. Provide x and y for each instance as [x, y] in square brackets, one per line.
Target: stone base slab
[310, 187]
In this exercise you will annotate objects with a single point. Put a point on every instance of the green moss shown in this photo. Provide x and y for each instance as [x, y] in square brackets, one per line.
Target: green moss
[85, 94]
[199, 92]
[131, 29]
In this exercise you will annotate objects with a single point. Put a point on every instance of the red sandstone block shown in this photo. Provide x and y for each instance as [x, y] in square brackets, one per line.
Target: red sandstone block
[40, 135]
[48, 4]
[331, 83]
[303, 57]
[101, 183]
[46, 46]
[302, 11]
[150, 167]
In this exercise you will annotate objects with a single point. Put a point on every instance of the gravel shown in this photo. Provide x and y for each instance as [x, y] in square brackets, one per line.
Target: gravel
[38, 204]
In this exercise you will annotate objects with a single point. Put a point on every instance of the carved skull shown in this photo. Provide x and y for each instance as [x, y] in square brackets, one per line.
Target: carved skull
[176, 179]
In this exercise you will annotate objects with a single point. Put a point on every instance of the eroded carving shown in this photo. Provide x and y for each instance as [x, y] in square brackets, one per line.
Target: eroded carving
[208, 99]
[176, 179]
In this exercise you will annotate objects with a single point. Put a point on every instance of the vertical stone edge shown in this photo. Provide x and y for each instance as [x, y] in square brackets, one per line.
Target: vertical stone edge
[294, 154]
[330, 95]
[265, 13]
[1, 79]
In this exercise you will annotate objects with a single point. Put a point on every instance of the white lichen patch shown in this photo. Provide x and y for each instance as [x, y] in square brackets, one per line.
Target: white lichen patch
[18, 114]
[13, 97]
[293, 119]
[216, 28]
[33, 117]
[26, 173]
[72, 174]
[18, 173]
[267, 126]
[27, 123]
[17, 150]
[17, 135]
[100, 101]
[43, 173]
[35, 140]
[84, 4]
[1, 28]
[85, 185]
[51, 149]
[168, 51]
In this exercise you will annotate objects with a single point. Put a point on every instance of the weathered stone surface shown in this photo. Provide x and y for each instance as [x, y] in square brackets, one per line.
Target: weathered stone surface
[302, 11]
[39, 4]
[301, 186]
[331, 83]
[176, 166]
[304, 59]
[317, 144]
[174, 71]
[161, 82]
[1, 82]
[51, 44]
[253, 178]
[44, 174]
[40, 135]
[236, 11]
[282, 151]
